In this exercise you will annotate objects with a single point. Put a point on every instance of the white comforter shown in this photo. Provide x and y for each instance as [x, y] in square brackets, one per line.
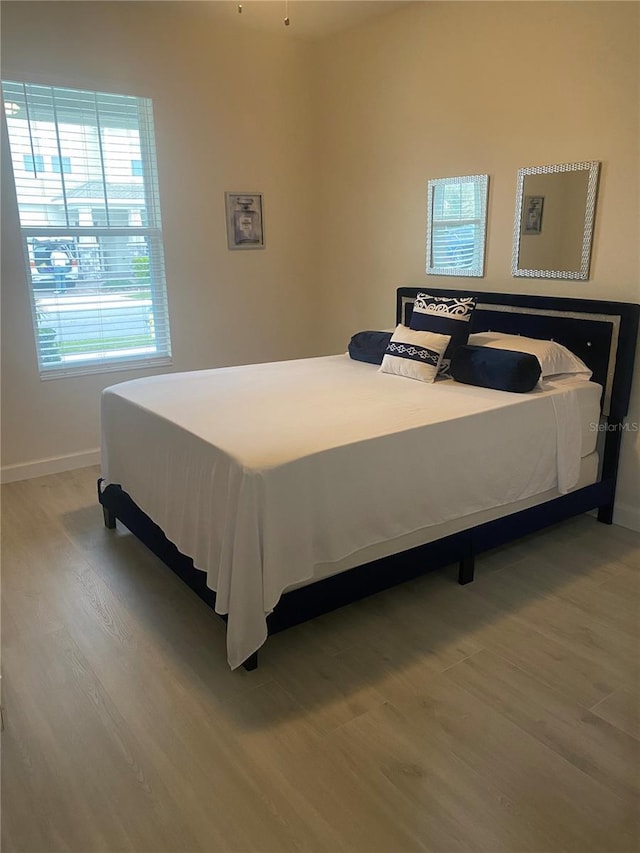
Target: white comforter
[261, 472]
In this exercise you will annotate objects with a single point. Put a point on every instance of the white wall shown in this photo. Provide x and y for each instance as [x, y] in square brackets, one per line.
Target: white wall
[232, 112]
[443, 89]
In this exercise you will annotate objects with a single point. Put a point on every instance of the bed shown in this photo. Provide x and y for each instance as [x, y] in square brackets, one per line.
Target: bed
[281, 491]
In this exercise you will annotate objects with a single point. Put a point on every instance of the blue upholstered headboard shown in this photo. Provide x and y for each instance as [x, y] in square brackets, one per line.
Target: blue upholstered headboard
[602, 334]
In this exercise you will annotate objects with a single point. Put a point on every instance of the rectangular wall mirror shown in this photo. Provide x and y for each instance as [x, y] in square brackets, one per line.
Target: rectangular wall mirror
[553, 228]
[456, 225]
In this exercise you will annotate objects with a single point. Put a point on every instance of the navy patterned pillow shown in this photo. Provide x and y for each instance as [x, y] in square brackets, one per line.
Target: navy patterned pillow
[416, 355]
[444, 315]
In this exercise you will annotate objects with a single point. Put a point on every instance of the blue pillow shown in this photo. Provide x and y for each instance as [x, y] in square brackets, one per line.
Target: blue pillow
[369, 346]
[444, 315]
[501, 369]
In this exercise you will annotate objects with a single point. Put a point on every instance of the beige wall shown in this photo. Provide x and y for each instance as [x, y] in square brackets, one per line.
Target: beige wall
[341, 137]
[231, 113]
[443, 89]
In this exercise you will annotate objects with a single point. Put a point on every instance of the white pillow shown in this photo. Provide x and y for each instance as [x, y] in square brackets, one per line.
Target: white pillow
[554, 358]
[414, 354]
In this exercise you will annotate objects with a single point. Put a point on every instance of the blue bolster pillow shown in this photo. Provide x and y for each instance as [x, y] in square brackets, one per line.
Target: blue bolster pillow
[504, 370]
[369, 346]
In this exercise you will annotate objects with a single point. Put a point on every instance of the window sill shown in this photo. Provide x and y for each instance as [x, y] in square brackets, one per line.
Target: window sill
[111, 366]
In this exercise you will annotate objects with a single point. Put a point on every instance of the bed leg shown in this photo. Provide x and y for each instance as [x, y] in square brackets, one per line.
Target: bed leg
[251, 662]
[109, 518]
[605, 514]
[610, 459]
[466, 569]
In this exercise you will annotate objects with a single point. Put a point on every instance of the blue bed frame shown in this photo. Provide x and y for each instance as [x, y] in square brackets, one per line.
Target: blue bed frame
[602, 334]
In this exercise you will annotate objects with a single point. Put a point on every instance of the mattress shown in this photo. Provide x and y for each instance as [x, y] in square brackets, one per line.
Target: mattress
[264, 473]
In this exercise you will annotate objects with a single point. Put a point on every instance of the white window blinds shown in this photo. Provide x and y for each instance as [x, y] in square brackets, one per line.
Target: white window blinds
[456, 225]
[86, 181]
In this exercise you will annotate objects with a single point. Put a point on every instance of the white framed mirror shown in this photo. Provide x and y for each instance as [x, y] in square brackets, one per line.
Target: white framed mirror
[457, 225]
[553, 227]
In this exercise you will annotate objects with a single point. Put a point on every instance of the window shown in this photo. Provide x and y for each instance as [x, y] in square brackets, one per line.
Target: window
[33, 162]
[92, 236]
[136, 168]
[456, 224]
[61, 164]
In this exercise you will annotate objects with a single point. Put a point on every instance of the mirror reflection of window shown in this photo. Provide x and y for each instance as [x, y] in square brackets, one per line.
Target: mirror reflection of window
[456, 225]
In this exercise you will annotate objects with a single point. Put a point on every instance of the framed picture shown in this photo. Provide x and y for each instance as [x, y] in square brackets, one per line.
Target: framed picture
[532, 219]
[245, 226]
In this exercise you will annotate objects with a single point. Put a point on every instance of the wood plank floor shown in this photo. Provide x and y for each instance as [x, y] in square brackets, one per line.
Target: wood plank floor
[501, 716]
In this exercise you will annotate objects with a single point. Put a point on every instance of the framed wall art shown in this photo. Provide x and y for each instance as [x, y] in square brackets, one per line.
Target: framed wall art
[245, 225]
[532, 223]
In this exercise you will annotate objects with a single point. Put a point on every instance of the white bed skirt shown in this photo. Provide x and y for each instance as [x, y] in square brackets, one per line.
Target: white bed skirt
[589, 474]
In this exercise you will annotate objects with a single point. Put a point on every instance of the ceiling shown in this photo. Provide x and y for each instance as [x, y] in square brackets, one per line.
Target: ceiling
[310, 19]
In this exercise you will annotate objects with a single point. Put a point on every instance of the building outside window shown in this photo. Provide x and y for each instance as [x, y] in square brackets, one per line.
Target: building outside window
[91, 227]
[61, 164]
[33, 162]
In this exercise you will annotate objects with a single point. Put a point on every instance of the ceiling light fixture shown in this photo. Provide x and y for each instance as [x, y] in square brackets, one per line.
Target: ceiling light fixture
[287, 20]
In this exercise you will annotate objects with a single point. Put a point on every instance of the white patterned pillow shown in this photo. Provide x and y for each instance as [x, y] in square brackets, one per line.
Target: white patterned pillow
[445, 315]
[416, 355]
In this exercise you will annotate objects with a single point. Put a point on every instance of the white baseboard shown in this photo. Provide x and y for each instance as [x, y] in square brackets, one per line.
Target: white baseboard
[53, 465]
[627, 516]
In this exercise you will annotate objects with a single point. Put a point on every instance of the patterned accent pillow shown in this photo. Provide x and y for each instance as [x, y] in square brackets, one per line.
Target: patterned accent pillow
[416, 355]
[445, 315]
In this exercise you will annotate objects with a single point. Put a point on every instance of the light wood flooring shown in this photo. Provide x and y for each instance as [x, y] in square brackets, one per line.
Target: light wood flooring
[501, 716]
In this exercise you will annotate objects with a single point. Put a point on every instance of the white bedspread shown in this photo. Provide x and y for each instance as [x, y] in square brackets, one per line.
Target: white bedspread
[261, 472]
